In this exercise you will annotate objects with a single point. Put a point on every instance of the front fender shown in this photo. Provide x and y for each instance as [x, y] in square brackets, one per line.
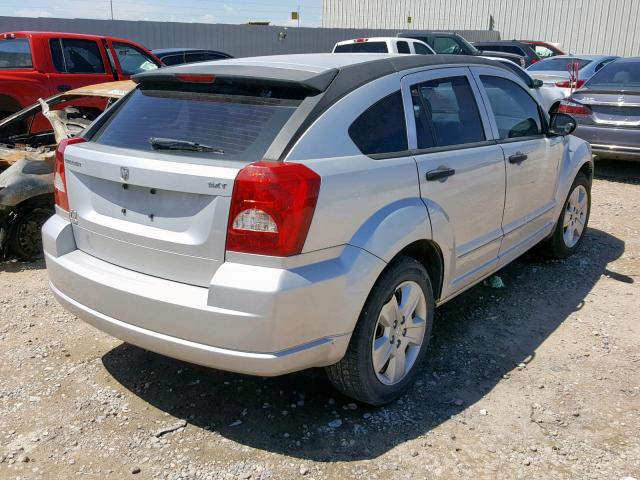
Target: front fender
[576, 154]
[390, 229]
[25, 179]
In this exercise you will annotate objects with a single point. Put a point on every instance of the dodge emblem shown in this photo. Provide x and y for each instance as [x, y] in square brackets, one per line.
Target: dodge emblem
[124, 173]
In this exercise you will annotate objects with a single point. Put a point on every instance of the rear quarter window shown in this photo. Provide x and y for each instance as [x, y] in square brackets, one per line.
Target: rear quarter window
[15, 53]
[239, 123]
[381, 129]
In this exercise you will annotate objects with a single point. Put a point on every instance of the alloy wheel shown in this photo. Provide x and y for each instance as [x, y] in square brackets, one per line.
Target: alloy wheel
[575, 216]
[399, 333]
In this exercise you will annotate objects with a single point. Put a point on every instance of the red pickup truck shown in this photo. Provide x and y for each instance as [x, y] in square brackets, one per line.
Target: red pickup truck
[40, 64]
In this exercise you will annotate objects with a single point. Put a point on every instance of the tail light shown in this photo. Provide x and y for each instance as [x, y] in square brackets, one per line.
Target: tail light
[59, 178]
[574, 108]
[271, 208]
[535, 60]
[570, 84]
[361, 40]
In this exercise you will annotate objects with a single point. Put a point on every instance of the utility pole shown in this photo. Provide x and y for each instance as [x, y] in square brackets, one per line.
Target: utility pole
[111, 3]
[298, 16]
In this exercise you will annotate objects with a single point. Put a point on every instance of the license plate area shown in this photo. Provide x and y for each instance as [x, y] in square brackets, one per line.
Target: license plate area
[154, 207]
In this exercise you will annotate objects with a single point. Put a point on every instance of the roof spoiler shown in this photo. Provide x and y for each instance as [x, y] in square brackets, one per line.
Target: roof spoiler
[263, 75]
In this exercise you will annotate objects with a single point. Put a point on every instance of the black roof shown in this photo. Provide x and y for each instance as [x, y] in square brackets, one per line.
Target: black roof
[338, 78]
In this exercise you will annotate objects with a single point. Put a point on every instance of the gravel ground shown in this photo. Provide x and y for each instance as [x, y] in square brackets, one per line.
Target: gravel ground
[539, 379]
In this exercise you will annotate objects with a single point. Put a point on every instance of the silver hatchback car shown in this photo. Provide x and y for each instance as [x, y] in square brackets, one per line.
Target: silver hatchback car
[267, 215]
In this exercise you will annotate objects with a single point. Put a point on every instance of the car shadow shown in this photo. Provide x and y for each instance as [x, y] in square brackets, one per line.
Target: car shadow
[478, 337]
[618, 171]
[17, 265]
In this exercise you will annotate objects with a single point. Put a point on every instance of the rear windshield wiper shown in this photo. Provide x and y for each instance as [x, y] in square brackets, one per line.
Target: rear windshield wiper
[173, 144]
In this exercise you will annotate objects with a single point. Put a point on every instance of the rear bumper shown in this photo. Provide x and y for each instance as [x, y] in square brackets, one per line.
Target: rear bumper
[324, 351]
[611, 142]
[254, 320]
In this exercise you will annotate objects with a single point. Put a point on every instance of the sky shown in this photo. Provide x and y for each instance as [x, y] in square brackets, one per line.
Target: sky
[202, 11]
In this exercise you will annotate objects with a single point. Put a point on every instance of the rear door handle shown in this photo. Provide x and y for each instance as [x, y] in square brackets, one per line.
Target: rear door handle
[440, 173]
[518, 158]
[64, 88]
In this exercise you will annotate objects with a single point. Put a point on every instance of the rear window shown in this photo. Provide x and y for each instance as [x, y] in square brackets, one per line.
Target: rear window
[15, 53]
[617, 75]
[558, 64]
[231, 122]
[363, 47]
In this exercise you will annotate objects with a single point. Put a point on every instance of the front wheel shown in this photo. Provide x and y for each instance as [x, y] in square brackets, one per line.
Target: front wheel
[572, 224]
[391, 337]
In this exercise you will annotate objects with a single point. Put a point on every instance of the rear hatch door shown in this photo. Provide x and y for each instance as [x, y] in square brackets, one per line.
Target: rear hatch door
[151, 191]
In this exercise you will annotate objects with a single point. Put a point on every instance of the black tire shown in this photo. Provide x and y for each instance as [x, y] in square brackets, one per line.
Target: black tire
[555, 246]
[354, 375]
[25, 238]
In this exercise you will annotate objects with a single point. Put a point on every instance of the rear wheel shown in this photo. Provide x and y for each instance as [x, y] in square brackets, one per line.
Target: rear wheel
[26, 233]
[572, 224]
[391, 337]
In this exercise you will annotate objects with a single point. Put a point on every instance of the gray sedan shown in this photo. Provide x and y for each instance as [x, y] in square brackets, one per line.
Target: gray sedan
[554, 72]
[607, 110]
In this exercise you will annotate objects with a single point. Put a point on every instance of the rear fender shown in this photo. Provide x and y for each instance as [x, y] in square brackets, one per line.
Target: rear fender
[390, 229]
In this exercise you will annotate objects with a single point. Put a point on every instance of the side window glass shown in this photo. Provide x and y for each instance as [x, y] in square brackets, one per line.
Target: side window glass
[56, 54]
[195, 57]
[516, 113]
[515, 50]
[544, 52]
[403, 47]
[446, 45]
[132, 60]
[71, 55]
[462, 48]
[446, 113]
[421, 49]
[381, 128]
[173, 60]
[606, 62]
[214, 56]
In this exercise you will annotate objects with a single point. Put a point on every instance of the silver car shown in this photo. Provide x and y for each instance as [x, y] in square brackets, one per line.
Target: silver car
[607, 110]
[554, 71]
[267, 215]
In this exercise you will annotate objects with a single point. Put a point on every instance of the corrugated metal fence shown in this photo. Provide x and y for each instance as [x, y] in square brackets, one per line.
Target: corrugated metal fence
[236, 40]
[580, 26]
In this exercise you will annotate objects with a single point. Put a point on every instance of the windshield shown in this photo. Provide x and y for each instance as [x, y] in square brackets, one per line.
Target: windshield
[558, 64]
[362, 47]
[15, 53]
[617, 75]
[203, 120]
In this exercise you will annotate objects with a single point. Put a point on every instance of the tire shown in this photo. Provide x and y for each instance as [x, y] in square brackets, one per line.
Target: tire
[25, 238]
[562, 244]
[368, 378]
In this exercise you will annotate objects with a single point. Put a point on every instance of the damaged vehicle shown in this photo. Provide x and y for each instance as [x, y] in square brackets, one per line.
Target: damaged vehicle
[28, 141]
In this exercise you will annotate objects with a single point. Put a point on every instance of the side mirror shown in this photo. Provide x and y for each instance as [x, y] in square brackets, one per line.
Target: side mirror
[562, 124]
[537, 83]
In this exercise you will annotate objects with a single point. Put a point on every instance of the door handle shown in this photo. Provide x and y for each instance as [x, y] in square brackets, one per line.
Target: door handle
[64, 88]
[440, 173]
[518, 158]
